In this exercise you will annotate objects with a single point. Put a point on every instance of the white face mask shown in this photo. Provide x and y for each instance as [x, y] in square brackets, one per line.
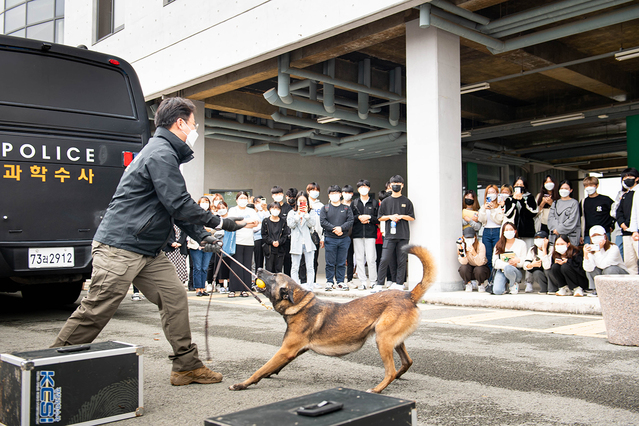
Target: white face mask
[564, 192]
[275, 212]
[363, 190]
[549, 186]
[205, 206]
[242, 202]
[491, 197]
[278, 198]
[503, 197]
[561, 249]
[347, 196]
[191, 137]
[539, 242]
[597, 240]
[334, 197]
[469, 242]
[590, 190]
[509, 235]
[221, 212]
[314, 194]
[216, 202]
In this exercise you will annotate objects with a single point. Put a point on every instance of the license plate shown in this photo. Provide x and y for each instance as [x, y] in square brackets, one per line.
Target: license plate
[51, 257]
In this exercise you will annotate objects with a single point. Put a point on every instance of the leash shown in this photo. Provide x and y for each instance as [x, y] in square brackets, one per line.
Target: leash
[240, 279]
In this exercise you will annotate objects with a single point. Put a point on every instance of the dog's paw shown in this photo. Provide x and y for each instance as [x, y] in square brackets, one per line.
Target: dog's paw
[237, 387]
[372, 391]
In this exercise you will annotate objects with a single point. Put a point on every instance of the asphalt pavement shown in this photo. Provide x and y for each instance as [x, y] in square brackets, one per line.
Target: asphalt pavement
[472, 365]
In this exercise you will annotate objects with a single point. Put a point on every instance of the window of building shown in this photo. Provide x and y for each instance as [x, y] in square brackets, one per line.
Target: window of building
[109, 17]
[36, 19]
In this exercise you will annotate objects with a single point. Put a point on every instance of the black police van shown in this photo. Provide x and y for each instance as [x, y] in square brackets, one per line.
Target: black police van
[70, 122]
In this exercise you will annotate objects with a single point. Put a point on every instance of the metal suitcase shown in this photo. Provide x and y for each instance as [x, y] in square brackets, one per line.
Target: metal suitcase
[88, 384]
[359, 409]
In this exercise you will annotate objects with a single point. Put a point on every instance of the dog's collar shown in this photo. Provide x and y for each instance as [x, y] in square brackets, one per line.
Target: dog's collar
[305, 301]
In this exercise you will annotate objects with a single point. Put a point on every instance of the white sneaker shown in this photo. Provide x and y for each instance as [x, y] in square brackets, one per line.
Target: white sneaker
[529, 288]
[564, 291]
[514, 289]
[482, 288]
[395, 286]
[318, 286]
[388, 284]
[136, 297]
[342, 287]
[362, 287]
[377, 288]
[475, 284]
[578, 292]
[469, 288]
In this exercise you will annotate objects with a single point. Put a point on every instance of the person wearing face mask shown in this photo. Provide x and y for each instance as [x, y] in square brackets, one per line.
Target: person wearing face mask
[244, 244]
[199, 258]
[394, 213]
[301, 222]
[595, 209]
[538, 261]
[262, 213]
[223, 275]
[313, 191]
[365, 233]
[525, 210]
[508, 259]
[491, 216]
[567, 272]
[470, 211]
[601, 257]
[347, 200]
[275, 234]
[564, 217]
[548, 194]
[285, 207]
[471, 254]
[150, 198]
[337, 220]
[626, 212]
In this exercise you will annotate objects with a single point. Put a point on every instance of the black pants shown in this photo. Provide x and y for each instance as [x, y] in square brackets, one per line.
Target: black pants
[273, 262]
[286, 249]
[244, 255]
[393, 248]
[258, 255]
[568, 274]
[540, 276]
[223, 273]
[470, 272]
[190, 285]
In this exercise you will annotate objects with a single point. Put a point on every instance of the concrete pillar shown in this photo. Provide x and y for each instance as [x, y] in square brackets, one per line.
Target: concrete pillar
[193, 171]
[632, 138]
[434, 165]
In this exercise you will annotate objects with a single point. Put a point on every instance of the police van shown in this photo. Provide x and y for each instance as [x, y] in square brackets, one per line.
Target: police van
[70, 122]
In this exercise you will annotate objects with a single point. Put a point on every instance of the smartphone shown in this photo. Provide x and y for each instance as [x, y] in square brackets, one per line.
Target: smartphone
[303, 205]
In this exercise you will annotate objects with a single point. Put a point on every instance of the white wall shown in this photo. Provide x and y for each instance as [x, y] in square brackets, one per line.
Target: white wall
[189, 41]
[228, 166]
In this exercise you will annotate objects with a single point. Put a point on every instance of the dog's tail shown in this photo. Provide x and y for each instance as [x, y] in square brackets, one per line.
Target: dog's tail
[430, 272]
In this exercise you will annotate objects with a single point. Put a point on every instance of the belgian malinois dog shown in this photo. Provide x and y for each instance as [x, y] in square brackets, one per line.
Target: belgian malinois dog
[337, 329]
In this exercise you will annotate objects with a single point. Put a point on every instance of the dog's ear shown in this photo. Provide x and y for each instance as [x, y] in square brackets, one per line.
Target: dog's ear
[285, 293]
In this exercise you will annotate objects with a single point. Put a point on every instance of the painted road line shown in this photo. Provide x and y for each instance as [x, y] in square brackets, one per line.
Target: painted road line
[591, 328]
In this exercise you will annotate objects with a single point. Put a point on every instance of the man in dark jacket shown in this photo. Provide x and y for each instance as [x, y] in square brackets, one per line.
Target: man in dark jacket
[150, 198]
[336, 219]
[365, 233]
[629, 179]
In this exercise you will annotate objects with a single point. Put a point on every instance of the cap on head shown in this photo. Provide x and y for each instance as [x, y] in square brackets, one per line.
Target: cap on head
[541, 234]
[469, 232]
[597, 229]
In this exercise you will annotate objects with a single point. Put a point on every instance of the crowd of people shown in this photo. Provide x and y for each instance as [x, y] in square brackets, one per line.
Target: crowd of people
[548, 239]
[362, 237]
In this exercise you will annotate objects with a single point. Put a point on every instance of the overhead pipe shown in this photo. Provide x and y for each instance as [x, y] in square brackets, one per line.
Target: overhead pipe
[557, 17]
[449, 7]
[284, 79]
[370, 149]
[335, 141]
[529, 14]
[296, 135]
[311, 107]
[272, 148]
[229, 138]
[229, 132]
[396, 86]
[252, 128]
[364, 78]
[300, 84]
[339, 101]
[305, 122]
[329, 89]
[397, 137]
[366, 135]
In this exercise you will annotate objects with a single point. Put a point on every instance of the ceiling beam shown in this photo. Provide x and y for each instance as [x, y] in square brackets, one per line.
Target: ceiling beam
[476, 108]
[474, 5]
[241, 103]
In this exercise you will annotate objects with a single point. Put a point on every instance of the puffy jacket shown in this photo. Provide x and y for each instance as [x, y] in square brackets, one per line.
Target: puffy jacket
[365, 230]
[150, 197]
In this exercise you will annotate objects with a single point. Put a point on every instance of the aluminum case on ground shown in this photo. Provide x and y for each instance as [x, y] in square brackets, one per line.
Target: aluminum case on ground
[85, 384]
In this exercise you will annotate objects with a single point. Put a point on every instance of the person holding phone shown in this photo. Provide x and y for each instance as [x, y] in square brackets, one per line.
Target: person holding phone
[471, 255]
[538, 261]
[301, 222]
[548, 194]
[601, 257]
[470, 211]
[491, 216]
[567, 272]
[508, 259]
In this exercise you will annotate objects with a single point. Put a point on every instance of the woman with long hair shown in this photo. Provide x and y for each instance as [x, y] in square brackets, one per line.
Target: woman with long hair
[301, 222]
[508, 259]
[470, 210]
[471, 255]
[564, 217]
[243, 245]
[491, 216]
[548, 194]
[199, 257]
[567, 272]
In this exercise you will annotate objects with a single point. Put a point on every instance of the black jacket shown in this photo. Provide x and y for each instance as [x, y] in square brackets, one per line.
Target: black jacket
[522, 214]
[182, 241]
[625, 209]
[150, 197]
[365, 230]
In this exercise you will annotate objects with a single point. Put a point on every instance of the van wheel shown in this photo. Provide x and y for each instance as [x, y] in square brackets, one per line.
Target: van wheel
[53, 294]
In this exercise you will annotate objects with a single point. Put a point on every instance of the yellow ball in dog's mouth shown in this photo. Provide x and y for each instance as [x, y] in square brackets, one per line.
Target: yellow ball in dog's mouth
[259, 283]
